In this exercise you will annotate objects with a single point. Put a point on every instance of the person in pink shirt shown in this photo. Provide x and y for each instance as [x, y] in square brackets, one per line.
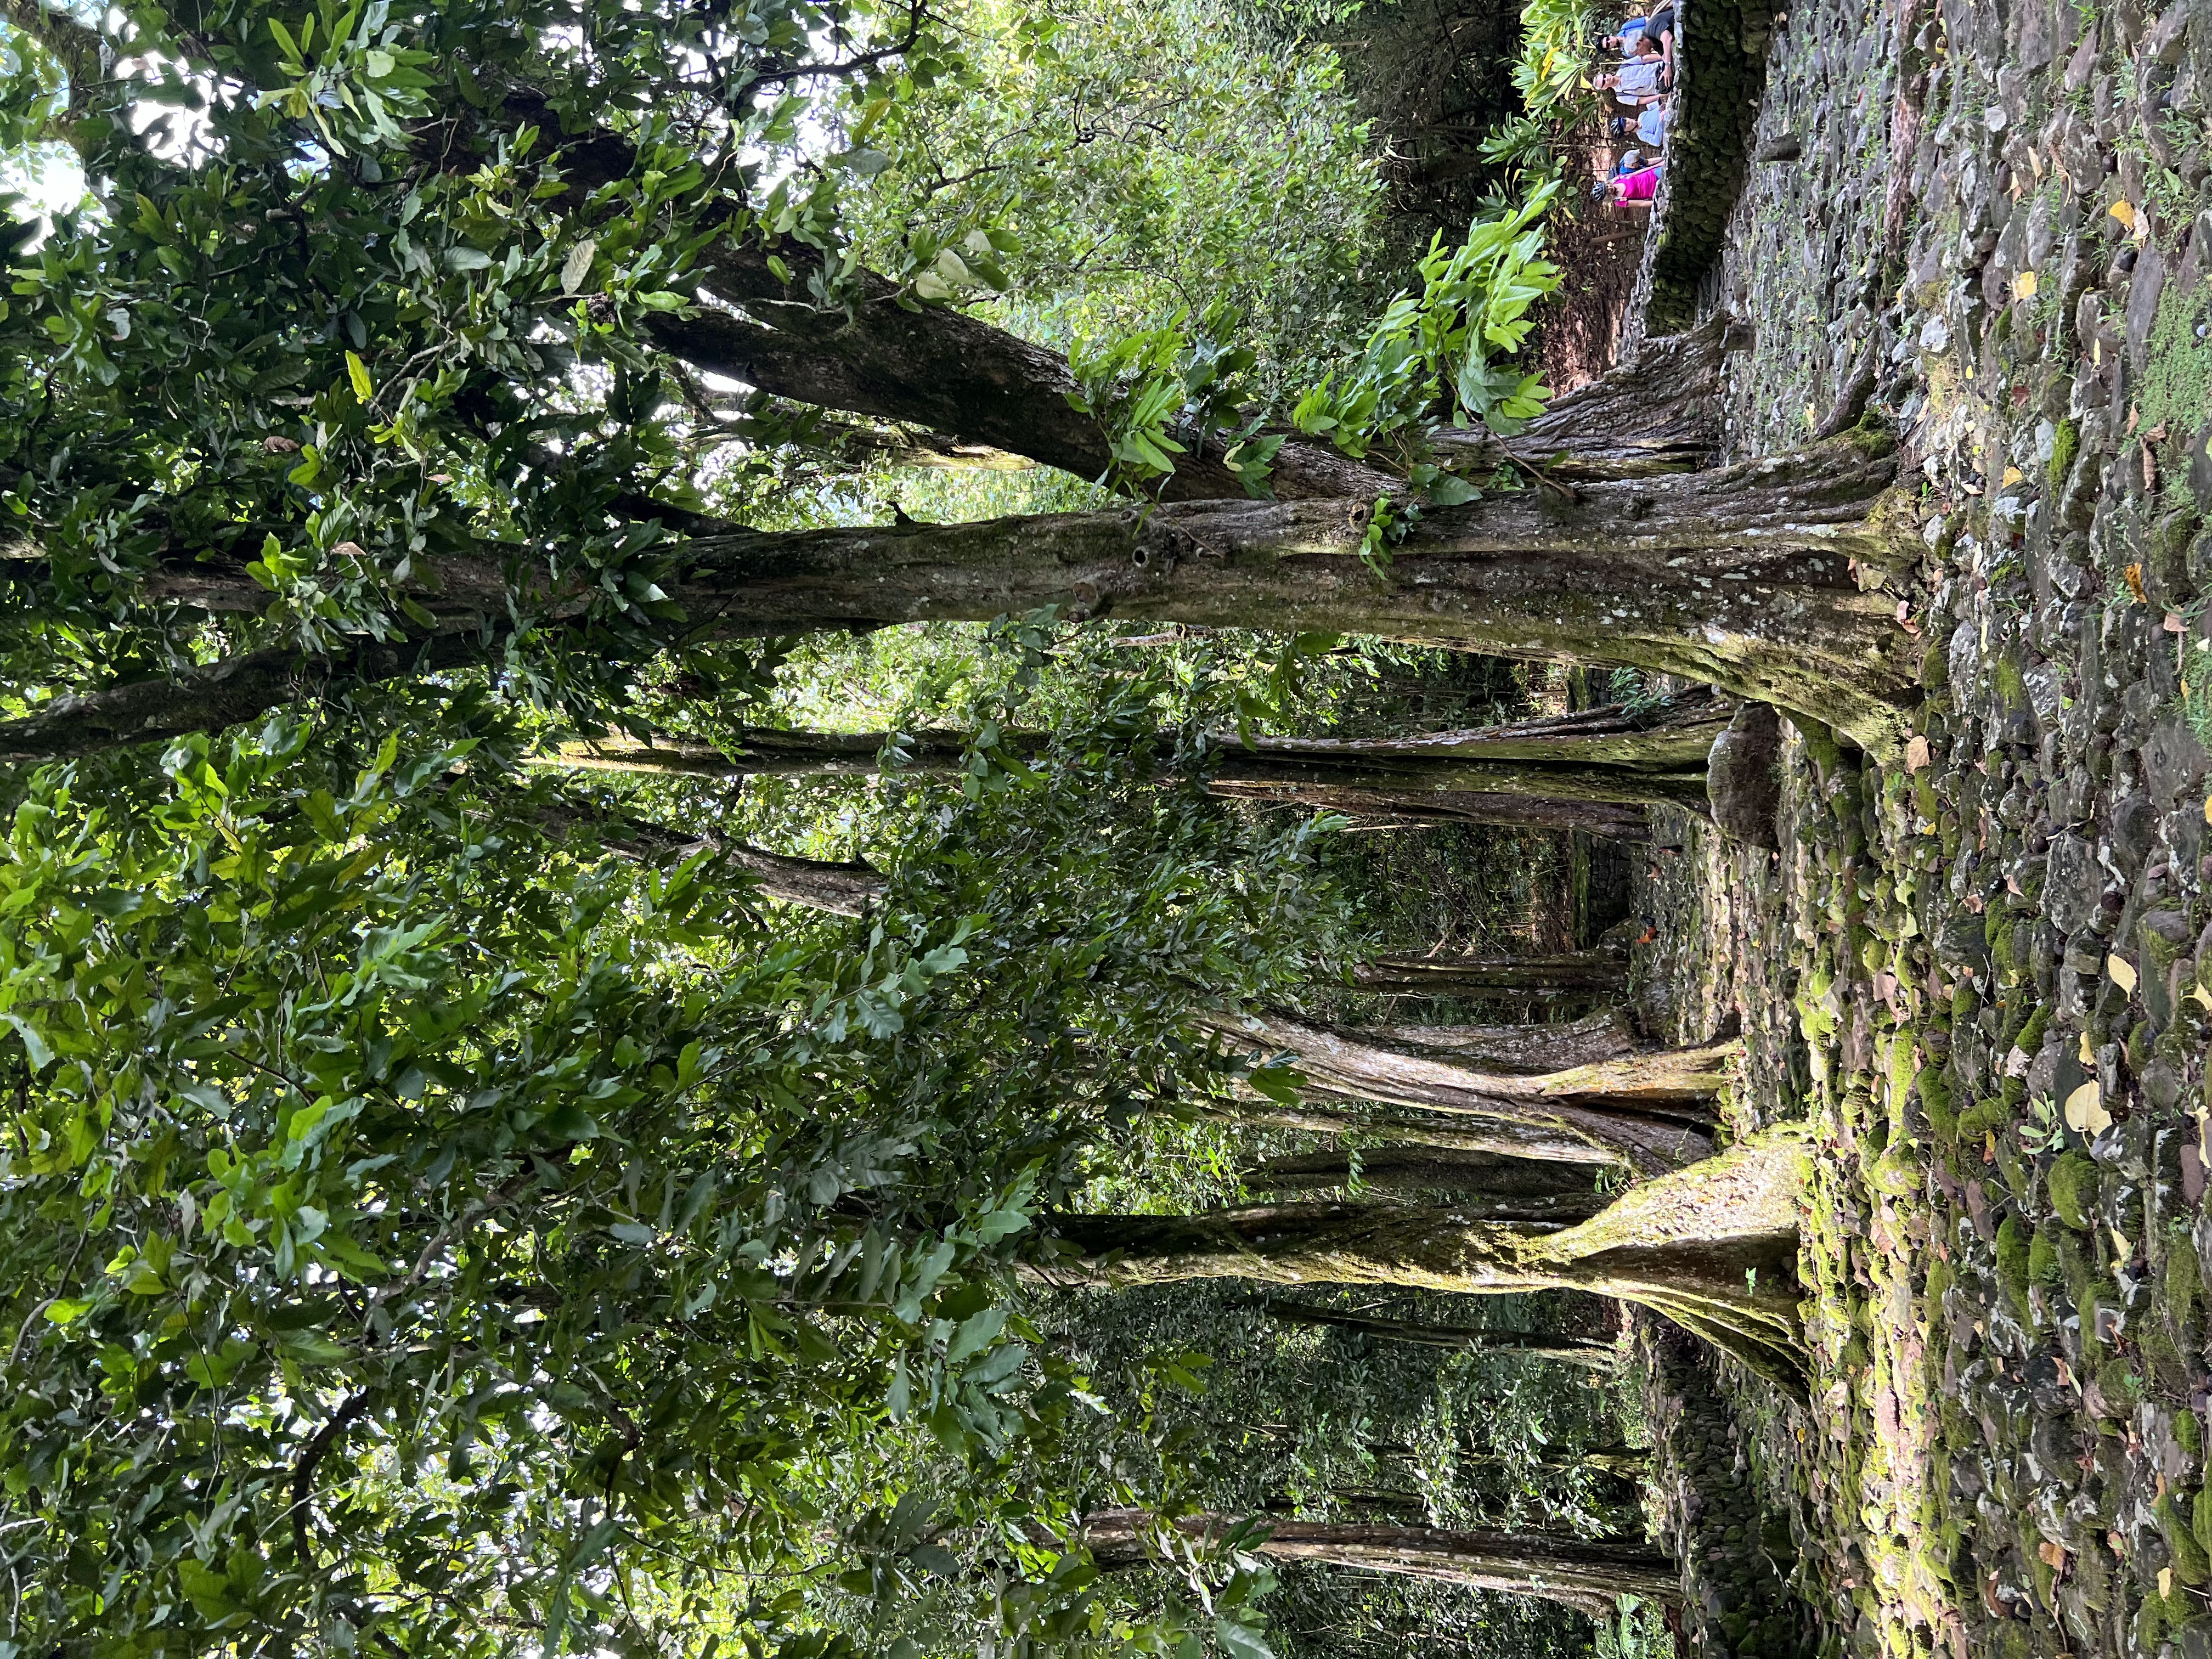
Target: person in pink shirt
[1642, 186]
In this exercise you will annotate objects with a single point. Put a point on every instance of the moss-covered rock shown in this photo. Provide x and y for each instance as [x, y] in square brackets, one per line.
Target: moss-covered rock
[2043, 1267]
[2014, 1243]
[2072, 1184]
[2190, 1564]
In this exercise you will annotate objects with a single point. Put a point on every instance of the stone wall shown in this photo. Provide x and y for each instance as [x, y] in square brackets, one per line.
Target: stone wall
[1721, 58]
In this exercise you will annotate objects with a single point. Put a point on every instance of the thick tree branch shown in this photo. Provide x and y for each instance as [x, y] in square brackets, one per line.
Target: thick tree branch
[229, 693]
[303, 1472]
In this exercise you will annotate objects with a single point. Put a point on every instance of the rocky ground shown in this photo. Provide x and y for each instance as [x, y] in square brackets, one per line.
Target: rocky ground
[1984, 973]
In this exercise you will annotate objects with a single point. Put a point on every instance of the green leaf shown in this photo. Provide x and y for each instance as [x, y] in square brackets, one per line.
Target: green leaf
[357, 373]
[1241, 1641]
[35, 1046]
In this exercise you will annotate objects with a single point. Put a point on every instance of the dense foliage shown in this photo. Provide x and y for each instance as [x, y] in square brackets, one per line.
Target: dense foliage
[430, 1228]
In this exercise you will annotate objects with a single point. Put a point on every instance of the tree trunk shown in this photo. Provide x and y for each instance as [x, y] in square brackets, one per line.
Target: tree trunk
[1584, 970]
[1585, 1574]
[1647, 1112]
[1743, 577]
[1541, 1188]
[1608, 755]
[1612, 821]
[1486, 1193]
[1586, 1351]
[1658, 412]
[1330, 1112]
[1712, 1247]
[1609, 1034]
[843, 889]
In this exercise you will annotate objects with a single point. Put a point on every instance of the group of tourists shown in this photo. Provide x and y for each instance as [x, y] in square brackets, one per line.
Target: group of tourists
[1639, 94]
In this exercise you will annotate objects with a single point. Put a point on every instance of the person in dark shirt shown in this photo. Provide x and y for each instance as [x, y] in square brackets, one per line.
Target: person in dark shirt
[1659, 27]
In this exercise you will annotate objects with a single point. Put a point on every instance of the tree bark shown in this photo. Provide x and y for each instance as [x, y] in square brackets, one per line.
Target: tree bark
[1743, 577]
[1606, 1035]
[1658, 412]
[841, 888]
[1585, 1574]
[1646, 1113]
[1712, 1247]
[1606, 756]
[1330, 1112]
[1596, 971]
[1611, 820]
[1585, 1351]
[230, 692]
[1545, 1189]
[1486, 1193]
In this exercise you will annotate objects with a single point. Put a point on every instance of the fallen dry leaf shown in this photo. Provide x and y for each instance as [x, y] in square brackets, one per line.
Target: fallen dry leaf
[2051, 1555]
[2123, 211]
[2013, 475]
[2133, 574]
[2174, 624]
[2085, 1110]
[2121, 972]
[1916, 753]
[2023, 286]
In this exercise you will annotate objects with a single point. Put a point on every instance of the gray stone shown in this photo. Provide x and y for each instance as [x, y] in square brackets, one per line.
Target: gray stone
[2072, 883]
[2135, 832]
[1743, 778]
[2173, 760]
[2142, 304]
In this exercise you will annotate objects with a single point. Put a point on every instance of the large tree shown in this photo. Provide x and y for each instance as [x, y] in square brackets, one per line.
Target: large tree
[1650, 754]
[1741, 577]
[1646, 1110]
[1713, 1247]
[443, 433]
[1594, 1353]
[1586, 1574]
[1574, 973]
